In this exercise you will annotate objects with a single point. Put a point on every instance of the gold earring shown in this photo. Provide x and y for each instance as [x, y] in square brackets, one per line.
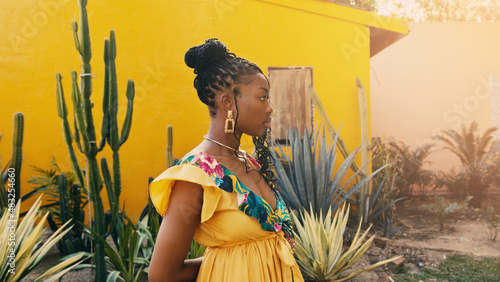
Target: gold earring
[229, 126]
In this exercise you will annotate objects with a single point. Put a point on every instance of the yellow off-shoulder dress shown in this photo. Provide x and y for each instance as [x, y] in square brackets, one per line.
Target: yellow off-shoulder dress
[246, 239]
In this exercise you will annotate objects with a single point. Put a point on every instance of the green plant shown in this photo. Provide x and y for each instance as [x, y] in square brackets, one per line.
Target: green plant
[66, 201]
[3, 180]
[363, 197]
[493, 169]
[474, 152]
[305, 170]
[196, 250]
[492, 221]
[149, 213]
[444, 210]
[319, 245]
[169, 156]
[14, 165]
[410, 163]
[17, 152]
[382, 200]
[458, 268]
[153, 219]
[455, 182]
[381, 206]
[132, 259]
[20, 248]
[389, 228]
[148, 244]
[126, 263]
[364, 190]
[342, 147]
[85, 129]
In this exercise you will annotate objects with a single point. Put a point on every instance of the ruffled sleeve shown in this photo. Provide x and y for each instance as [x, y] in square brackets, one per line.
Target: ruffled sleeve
[161, 187]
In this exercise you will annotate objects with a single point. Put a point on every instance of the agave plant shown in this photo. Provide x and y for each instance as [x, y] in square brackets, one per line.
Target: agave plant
[131, 260]
[381, 210]
[20, 250]
[305, 170]
[319, 245]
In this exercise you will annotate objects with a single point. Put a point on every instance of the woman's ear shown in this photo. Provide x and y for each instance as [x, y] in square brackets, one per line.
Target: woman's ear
[227, 101]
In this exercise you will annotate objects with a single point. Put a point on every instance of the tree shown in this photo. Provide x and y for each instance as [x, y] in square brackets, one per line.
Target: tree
[493, 170]
[369, 5]
[411, 164]
[441, 10]
[474, 152]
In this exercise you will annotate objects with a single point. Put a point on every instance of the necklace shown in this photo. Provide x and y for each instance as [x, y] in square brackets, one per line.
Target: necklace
[219, 143]
[230, 148]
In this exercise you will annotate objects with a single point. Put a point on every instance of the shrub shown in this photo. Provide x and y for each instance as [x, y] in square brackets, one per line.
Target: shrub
[444, 210]
[319, 245]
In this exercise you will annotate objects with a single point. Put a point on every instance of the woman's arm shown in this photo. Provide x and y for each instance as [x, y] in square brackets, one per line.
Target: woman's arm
[175, 235]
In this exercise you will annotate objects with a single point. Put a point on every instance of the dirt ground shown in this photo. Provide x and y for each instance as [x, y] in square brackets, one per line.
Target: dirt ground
[420, 242]
[467, 232]
[423, 245]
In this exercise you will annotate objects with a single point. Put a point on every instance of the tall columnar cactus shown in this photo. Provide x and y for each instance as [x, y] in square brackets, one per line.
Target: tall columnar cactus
[329, 125]
[364, 191]
[17, 152]
[85, 135]
[168, 150]
[110, 111]
[3, 193]
[65, 215]
[11, 174]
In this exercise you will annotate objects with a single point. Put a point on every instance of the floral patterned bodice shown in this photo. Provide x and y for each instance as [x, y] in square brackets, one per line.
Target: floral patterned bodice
[248, 202]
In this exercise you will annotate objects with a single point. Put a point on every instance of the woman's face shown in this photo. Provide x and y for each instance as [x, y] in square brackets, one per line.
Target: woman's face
[254, 110]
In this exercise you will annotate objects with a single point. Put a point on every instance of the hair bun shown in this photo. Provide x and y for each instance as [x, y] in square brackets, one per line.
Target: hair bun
[202, 56]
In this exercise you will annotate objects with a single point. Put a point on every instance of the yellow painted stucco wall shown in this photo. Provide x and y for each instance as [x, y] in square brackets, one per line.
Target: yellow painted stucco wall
[152, 38]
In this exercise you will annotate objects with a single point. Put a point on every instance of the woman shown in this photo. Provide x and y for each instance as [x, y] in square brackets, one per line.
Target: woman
[217, 193]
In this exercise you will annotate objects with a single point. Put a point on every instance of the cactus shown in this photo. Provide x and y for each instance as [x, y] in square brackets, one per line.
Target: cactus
[62, 188]
[65, 245]
[364, 190]
[85, 135]
[12, 171]
[3, 193]
[115, 140]
[17, 152]
[168, 150]
[62, 111]
[78, 215]
[329, 125]
[11, 174]
[65, 204]
[153, 217]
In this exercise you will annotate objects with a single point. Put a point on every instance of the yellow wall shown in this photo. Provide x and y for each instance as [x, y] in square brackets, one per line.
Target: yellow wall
[152, 38]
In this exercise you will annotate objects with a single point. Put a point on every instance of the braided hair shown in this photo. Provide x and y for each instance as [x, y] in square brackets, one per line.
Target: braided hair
[216, 68]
